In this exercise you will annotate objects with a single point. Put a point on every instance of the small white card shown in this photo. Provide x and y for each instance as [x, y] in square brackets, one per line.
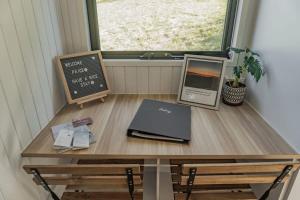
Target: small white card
[57, 128]
[64, 139]
[81, 140]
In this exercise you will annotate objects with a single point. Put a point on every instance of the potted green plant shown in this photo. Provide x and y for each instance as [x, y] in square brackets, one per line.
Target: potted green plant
[234, 91]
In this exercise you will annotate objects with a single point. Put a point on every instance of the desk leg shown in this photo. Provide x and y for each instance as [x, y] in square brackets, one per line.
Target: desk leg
[157, 181]
[165, 181]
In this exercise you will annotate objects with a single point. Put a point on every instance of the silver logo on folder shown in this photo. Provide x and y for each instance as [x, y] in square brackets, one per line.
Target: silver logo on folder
[165, 110]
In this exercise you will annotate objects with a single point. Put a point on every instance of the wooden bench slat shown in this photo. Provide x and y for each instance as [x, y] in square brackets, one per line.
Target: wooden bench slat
[111, 161]
[90, 180]
[198, 161]
[231, 168]
[75, 169]
[100, 196]
[98, 188]
[218, 196]
[231, 179]
[232, 187]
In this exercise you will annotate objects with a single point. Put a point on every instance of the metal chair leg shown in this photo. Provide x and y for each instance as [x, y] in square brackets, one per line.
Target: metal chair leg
[45, 185]
[130, 182]
[190, 182]
[277, 181]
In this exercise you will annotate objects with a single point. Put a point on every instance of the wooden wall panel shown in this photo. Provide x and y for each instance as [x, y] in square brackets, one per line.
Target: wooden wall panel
[1, 195]
[75, 22]
[83, 25]
[37, 55]
[45, 49]
[142, 80]
[49, 26]
[67, 25]
[60, 23]
[176, 75]
[75, 28]
[154, 80]
[32, 34]
[10, 183]
[9, 47]
[9, 136]
[119, 80]
[28, 58]
[130, 80]
[53, 19]
[12, 94]
[12, 147]
[166, 80]
[110, 74]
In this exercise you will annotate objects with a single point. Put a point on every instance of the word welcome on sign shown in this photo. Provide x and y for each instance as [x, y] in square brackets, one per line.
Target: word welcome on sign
[84, 76]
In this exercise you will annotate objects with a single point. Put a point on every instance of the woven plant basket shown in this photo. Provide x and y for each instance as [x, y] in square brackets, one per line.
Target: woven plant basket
[234, 96]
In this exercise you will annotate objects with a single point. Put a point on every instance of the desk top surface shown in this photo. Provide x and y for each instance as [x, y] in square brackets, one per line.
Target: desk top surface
[230, 133]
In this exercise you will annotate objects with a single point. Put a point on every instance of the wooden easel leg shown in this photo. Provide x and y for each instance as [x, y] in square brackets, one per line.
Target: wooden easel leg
[80, 103]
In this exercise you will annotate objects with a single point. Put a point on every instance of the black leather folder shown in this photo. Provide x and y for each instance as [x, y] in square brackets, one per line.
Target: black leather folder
[159, 120]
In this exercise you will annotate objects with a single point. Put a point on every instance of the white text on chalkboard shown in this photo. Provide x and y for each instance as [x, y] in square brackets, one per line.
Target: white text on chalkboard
[73, 63]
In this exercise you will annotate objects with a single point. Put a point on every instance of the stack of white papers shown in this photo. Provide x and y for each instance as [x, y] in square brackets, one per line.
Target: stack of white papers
[57, 128]
[68, 137]
[81, 140]
[64, 139]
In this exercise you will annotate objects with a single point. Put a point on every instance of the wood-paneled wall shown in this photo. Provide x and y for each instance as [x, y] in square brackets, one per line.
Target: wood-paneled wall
[74, 19]
[144, 79]
[32, 33]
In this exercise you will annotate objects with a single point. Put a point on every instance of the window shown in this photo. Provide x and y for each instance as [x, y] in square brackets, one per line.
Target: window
[155, 29]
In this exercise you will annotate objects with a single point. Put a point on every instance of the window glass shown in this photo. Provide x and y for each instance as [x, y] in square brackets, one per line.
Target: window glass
[161, 25]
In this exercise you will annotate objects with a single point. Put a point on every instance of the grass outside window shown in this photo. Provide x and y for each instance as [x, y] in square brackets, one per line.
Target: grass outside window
[152, 29]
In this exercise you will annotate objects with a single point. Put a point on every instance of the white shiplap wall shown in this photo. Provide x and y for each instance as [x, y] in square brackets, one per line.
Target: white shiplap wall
[141, 79]
[32, 33]
[75, 25]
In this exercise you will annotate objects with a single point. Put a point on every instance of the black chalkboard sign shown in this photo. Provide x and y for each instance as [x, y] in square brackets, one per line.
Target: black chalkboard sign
[83, 76]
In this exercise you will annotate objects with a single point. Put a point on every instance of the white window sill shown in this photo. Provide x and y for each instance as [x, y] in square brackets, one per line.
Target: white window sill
[142, 63]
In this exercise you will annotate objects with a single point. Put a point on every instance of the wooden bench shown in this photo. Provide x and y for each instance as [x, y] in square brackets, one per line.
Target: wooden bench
[80, 177]
[228, 181]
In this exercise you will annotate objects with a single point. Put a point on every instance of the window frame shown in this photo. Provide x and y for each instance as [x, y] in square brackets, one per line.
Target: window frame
[229, 26]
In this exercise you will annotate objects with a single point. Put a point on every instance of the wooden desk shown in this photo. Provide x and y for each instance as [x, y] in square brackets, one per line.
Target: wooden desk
[230, 133]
